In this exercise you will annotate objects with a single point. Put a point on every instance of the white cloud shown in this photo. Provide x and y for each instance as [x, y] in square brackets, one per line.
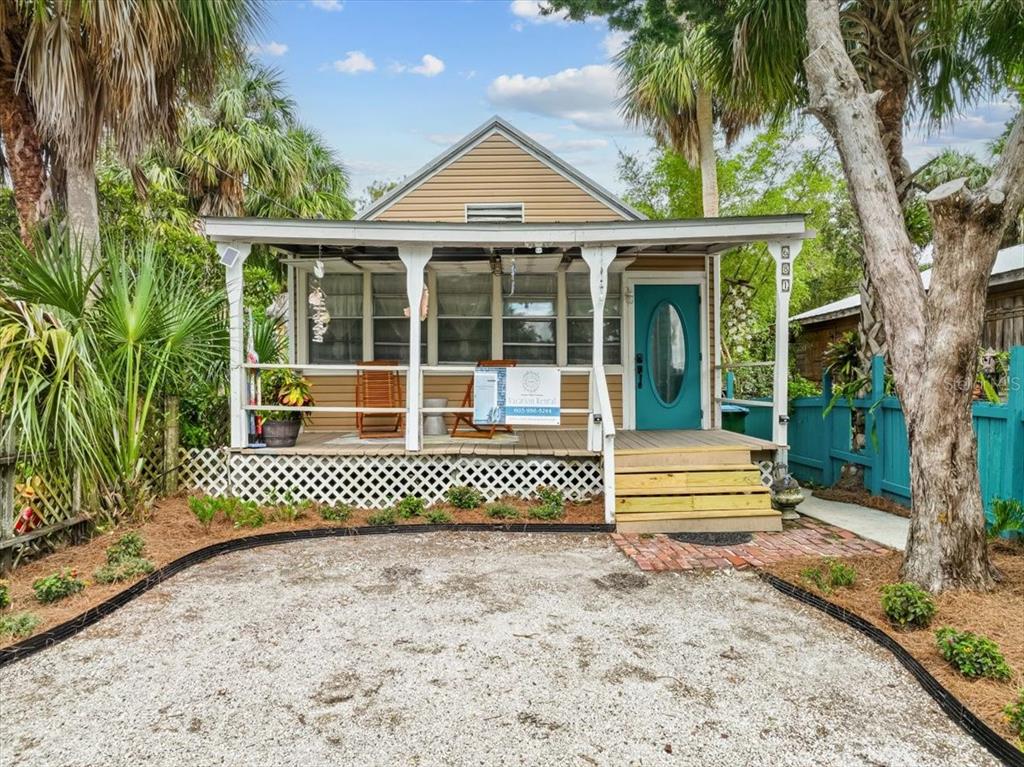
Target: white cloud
[585, 96]
[614, 41]
[272, 48]
[529, 11]
[430, 66]
[354, 62]
[328, 5]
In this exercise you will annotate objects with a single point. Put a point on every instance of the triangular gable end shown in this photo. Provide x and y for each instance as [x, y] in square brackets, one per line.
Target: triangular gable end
[497, 163]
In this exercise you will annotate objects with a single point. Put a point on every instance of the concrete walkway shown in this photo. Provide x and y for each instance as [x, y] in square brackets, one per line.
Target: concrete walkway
[880, 526]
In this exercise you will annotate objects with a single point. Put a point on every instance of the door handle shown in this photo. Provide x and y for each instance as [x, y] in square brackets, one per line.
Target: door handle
[639, 371]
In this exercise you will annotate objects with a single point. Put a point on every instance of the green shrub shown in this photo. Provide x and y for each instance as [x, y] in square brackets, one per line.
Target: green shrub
[410, 507]
[339, 512]
[438, 517]
[1007, 518]
[464, 497]
[383, 517]
[501, 511]
[907, 605]
[18, 625]
[128, 546]
[1015, 715]
[292, 510]
[547, 512]
[5, 595]
[206, 507]
[246, 514]
[123, 570]
[830, 574]
[552, 504]
[58, 586]
[972, 655]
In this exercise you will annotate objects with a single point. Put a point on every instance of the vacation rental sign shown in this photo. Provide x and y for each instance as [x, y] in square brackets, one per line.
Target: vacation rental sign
[518, 396]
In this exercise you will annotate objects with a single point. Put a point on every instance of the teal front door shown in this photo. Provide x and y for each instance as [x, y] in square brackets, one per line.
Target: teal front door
[667, 354]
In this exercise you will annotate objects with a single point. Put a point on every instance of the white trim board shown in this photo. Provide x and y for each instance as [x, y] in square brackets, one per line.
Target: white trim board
[629, 281]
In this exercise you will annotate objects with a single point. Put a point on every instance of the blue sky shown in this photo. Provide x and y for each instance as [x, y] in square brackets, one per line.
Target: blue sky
[390, 83]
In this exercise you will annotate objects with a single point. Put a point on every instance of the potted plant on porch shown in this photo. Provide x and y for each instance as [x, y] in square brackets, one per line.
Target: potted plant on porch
[285, 387]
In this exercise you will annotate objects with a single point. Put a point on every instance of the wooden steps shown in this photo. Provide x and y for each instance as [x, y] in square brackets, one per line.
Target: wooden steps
[709, 488]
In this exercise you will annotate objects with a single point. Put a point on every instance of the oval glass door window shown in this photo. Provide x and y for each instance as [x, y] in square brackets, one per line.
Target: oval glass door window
[666, 353]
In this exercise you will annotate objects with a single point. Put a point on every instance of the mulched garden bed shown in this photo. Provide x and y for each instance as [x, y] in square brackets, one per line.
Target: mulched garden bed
[862, 497]
[997, 615]
[172, 531]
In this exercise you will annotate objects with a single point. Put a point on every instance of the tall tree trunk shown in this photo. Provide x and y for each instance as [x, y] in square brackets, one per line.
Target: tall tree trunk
[932, 338]
[24, 153]
[871, 329]
[706, 149]
[83, 212]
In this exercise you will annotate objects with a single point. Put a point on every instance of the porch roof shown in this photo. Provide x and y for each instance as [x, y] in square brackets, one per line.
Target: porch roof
[690, 236]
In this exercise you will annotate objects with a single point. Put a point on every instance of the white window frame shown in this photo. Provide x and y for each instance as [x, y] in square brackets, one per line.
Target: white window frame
[629, 282]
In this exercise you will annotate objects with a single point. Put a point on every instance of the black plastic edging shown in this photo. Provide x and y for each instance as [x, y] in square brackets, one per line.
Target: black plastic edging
[995, 744]
[41, 641]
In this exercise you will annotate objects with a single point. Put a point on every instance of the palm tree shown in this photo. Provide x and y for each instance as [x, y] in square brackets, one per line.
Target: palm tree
[119, 68]
[670, 93]
[245, 153]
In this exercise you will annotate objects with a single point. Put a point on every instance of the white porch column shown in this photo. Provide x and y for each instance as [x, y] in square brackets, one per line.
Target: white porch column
[415, 258]
[598, 258]
[233, 255]
[784, 253]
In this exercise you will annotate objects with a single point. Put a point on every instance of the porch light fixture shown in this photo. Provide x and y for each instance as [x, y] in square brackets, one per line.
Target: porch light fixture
[229, 256]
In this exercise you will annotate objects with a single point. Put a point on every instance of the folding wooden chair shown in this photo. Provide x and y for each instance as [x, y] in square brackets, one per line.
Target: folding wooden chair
[474, 431]
[379, 388]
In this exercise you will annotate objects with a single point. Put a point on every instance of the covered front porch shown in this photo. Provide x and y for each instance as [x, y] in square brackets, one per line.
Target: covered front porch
[553, 296]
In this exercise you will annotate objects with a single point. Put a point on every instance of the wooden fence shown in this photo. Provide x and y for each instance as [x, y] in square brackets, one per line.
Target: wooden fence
[819, 444]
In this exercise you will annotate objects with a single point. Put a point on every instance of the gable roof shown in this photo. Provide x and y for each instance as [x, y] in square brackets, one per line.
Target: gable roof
[1009, 267]
[496, 125]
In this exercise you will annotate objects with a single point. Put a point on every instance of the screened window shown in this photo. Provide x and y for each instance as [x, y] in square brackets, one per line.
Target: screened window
[463, 317]
[528, 318]
[390, 325]
[580, 323]
[343, 341]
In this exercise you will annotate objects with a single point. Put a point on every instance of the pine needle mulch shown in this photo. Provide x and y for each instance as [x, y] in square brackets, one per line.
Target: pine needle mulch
[998, 614]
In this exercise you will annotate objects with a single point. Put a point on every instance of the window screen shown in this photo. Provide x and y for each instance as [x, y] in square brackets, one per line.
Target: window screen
[528, 318]
[463, 317]
[390, 325]
[580, 323]
[343, 341]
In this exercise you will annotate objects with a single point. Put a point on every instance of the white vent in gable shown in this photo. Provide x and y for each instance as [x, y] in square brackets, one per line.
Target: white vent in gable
[494, 213]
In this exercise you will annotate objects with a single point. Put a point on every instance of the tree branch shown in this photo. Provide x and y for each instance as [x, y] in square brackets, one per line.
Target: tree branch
[1005, 186]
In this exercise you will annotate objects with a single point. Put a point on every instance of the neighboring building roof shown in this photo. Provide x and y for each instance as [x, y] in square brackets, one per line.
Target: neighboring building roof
[497, 125]
[1009, 267]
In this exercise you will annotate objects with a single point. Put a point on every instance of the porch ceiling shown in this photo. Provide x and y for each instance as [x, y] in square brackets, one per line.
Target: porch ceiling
[376, 238]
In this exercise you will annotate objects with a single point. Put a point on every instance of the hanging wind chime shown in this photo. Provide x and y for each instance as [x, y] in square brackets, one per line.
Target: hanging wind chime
[318, 301]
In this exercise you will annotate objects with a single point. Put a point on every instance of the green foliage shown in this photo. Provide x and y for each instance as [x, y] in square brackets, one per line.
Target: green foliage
[464, 497]
[290, 511]
[261, 288]
[339, 512]
[552, 504]
[829, 575]
[123, 569]
[57, 586]
[383, 517]
[18, 624]
[286, 387]
[245, 514]
[971, 654]
[802, 387]
[5, 595]
[206, 507]
[128, 546]
[907, 605]
[410, 507]
[501, 511]
[1007, 518]
[438, 517]
[204, 416]
[1014, 712]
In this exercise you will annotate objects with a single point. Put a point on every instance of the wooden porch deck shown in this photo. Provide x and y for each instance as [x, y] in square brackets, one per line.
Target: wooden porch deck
[528, 442]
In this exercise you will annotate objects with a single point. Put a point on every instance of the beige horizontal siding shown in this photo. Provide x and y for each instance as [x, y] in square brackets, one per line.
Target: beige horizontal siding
[340, 391]
[497, 170]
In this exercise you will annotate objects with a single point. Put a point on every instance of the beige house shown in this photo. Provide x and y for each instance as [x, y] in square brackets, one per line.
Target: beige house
[513, 254]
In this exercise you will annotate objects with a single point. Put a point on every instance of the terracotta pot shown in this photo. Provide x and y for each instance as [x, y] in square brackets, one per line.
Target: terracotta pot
[281, 433]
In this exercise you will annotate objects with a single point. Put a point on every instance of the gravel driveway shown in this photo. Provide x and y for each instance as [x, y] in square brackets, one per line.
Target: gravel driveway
[475, 649]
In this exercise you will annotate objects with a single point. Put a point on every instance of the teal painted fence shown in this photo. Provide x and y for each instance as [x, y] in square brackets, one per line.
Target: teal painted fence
[820, 444]
[758, 421]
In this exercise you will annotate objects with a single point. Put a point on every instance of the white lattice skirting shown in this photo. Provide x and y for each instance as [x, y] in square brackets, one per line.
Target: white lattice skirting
[373, 482]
